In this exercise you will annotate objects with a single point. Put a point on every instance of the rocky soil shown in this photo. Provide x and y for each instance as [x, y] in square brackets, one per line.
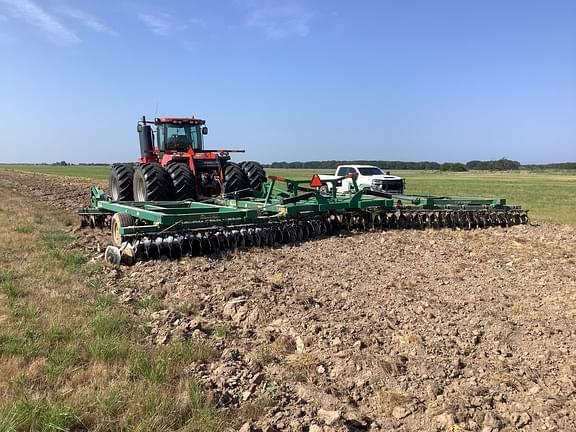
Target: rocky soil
[401, 330]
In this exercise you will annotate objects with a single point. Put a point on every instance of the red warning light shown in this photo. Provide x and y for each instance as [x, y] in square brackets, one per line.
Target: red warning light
[316, 182]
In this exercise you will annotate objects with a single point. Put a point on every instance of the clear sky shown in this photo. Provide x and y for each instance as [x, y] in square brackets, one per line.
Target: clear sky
[292, 80]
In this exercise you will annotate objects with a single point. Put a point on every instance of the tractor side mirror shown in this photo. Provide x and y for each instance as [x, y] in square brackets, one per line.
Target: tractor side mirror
[204, 130]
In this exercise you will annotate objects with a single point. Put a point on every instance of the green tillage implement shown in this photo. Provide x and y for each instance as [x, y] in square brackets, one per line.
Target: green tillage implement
[295, 213]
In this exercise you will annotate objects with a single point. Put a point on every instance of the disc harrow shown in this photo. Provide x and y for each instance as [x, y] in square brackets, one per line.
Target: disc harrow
[289, 215]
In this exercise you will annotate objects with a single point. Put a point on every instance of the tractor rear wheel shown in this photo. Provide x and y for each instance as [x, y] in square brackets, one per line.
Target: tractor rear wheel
[183, 180]
[120, 182]
[255, 173]
[235, 179]
[152, 183]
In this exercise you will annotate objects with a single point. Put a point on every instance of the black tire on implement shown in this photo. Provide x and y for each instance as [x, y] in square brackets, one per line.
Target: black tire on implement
[235, 179]
[183, 181]
[120, 182]
[255, 174]
[152, 183]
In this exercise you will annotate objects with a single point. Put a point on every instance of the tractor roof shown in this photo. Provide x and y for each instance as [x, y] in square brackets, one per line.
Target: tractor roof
[180, 120]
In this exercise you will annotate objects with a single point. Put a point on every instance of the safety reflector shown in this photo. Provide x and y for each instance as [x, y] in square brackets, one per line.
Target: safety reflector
[316, 182]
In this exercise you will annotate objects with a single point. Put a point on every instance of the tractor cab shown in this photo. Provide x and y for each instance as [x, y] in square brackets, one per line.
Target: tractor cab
[180, 134]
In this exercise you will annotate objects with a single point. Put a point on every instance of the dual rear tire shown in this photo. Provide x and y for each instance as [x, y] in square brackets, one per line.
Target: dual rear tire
[152, 182]
[244, 178]
[120, 182]
[255, 174]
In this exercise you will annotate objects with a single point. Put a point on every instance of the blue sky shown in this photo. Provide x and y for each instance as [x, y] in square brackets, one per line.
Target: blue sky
[292, 80]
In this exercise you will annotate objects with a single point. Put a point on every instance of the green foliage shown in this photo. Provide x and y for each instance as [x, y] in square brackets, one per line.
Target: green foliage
[38, 415]
[9, 286]
[221, 330]
[494, 165]
[24, 229]
[150, 303]
[67, 222]
[454, 167]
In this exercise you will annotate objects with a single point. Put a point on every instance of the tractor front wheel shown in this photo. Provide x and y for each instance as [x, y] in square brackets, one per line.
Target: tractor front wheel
[152, 183]
[235, 179]
[120, 182]
[183, 180]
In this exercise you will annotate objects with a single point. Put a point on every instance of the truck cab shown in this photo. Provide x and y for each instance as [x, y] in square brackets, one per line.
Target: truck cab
[367, 176]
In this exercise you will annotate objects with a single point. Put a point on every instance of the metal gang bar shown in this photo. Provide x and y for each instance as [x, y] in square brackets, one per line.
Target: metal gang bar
[196, 212]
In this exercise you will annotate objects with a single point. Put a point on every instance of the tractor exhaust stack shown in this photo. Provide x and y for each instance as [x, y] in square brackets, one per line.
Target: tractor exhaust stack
[145, 135]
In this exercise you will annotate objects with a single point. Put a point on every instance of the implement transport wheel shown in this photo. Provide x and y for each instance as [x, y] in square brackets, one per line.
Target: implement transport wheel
[120, 220]
[235, 179]
[120, 182]
[255, 174]
[152, 183]
[182, 180]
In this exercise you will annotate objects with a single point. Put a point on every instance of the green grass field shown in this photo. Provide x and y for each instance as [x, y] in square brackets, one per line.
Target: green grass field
[550, 195]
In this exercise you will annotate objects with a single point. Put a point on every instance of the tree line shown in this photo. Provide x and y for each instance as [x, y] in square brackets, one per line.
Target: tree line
[489, 165]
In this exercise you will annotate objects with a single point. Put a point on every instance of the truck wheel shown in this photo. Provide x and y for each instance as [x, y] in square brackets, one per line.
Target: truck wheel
[183, 181]
[120, 182]
[152, 183]
[255, 174]
[235, 179]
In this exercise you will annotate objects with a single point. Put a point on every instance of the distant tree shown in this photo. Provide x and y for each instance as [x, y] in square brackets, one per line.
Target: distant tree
[494, 165]
[453, 166]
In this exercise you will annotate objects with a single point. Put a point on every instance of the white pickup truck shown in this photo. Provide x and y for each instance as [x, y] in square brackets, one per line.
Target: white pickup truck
[366, 176]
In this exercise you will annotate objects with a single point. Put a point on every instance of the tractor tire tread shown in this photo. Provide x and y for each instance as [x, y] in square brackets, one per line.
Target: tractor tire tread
[124, 175]
[183, 180]
[235, 180]
[255, 173]
[157, 181]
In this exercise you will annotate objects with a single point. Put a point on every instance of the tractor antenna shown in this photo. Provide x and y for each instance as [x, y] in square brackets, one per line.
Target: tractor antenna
[156, 110]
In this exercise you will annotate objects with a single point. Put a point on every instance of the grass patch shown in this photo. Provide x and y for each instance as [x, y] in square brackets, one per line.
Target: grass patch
[255, 410]
[24, 229]
[106, 324]
[151, 368]
[67, 222]
[150, 303]
[187, 352]
[72, 357]
[54, 238]
[107, 349]
[103, 301]
[73, 259]
[221, 330]
[204, 417]
[20, 346]
[38, 415]
[8, 285]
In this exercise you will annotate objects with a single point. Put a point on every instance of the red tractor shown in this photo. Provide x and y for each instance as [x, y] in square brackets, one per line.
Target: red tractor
[174, 165]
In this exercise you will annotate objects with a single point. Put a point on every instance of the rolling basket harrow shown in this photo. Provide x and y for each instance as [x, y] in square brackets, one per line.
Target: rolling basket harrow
[297, 212]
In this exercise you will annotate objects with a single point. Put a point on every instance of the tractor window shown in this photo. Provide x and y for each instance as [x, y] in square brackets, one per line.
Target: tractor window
[181, 137]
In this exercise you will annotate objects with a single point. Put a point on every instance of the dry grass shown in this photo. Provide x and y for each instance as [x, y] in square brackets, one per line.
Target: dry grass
[71, 356]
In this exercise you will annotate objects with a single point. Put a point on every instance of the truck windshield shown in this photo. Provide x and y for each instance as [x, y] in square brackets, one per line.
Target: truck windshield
[370, 171]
